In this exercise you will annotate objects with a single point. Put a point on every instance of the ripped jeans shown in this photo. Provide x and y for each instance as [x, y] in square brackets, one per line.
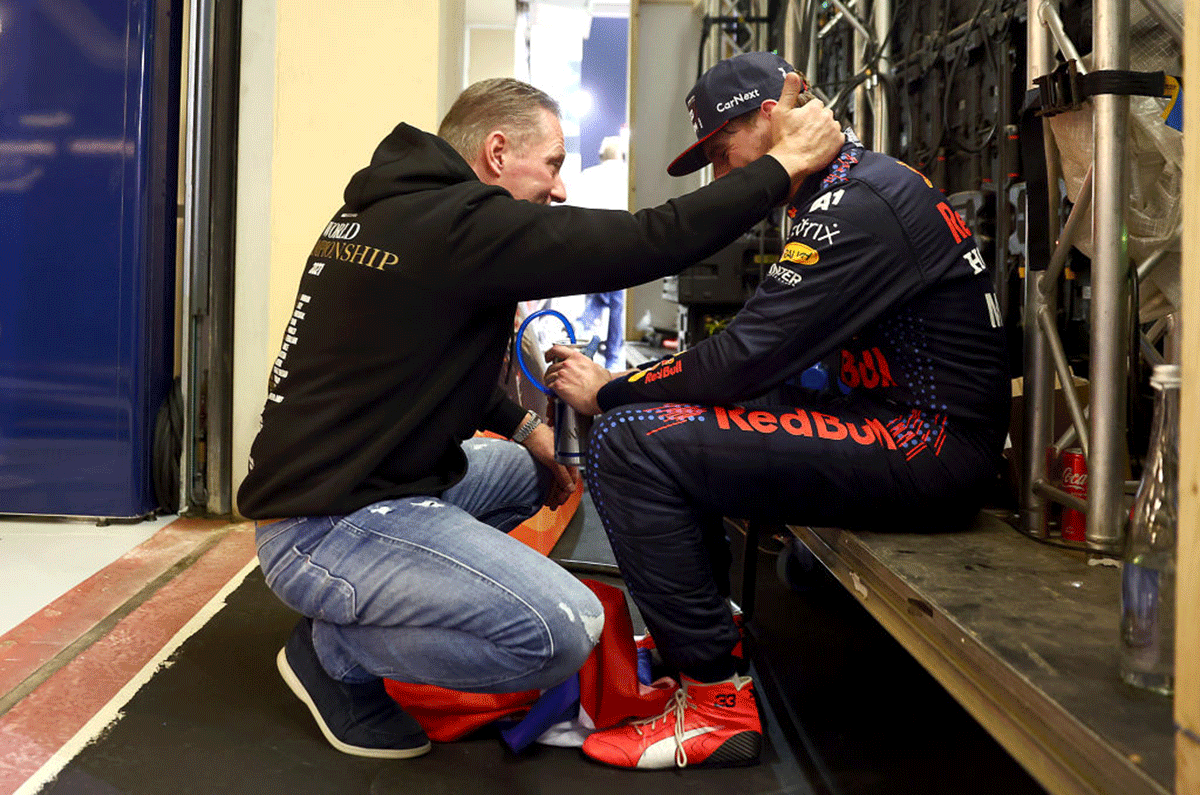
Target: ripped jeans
[432, 590]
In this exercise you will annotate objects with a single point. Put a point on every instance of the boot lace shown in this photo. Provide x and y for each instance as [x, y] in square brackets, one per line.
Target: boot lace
[676, 707]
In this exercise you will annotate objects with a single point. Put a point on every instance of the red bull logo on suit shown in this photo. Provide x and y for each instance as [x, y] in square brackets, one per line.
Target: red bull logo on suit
[800, 422]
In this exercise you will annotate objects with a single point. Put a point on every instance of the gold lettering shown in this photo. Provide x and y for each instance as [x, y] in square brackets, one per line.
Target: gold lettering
[357, 253]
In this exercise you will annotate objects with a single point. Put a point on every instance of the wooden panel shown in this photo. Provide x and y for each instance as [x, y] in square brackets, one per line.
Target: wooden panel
[1023, 635]
[1187, 639]
[1187, 763]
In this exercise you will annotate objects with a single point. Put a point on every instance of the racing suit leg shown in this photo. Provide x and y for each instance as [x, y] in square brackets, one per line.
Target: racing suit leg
[656, 472]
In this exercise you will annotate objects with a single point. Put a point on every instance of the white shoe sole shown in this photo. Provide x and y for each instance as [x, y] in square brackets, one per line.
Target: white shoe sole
[293, 683]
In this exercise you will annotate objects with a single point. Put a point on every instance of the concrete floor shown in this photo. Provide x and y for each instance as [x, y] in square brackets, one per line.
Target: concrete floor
[42, 559]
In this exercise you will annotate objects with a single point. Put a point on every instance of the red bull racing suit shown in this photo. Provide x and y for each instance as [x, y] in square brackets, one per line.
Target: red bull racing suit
[880, 275]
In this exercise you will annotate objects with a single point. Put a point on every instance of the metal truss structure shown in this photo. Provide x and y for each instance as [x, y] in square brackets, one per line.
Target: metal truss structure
[942, 87]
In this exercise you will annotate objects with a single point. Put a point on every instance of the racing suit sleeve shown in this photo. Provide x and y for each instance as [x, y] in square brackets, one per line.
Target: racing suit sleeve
[503, 415]
[846, 263]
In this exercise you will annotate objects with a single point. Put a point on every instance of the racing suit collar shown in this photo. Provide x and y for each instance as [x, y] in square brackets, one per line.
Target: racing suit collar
[813, 182]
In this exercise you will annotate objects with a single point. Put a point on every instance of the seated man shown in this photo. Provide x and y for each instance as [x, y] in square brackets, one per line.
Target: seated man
[882, 274]
[387, 541]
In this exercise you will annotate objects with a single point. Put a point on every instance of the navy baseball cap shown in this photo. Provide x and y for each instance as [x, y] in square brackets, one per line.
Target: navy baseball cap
[734, 86]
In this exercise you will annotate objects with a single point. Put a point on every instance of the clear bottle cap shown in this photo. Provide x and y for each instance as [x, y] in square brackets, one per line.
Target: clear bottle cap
[1165, 376]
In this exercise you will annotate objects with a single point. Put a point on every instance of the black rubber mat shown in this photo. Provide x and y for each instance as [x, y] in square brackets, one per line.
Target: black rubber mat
[218, 719]
[848, 712]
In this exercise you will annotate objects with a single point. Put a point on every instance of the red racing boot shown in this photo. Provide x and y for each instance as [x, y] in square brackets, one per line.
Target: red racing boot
[713, 725]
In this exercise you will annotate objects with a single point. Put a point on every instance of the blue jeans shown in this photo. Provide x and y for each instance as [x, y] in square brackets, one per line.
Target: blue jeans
[431, 589]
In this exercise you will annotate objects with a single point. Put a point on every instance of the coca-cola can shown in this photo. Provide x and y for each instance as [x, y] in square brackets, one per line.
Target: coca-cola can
[1074, 480]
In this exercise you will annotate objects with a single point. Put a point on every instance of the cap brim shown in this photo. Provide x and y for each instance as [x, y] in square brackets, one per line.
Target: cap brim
[692, 158]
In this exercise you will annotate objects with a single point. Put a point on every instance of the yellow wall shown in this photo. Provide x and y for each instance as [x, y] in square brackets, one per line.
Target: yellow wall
[347, 74]
[491, 52]
[322, 82]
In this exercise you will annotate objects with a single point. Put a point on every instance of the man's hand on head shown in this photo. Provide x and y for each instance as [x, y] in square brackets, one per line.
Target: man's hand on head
[804, 139]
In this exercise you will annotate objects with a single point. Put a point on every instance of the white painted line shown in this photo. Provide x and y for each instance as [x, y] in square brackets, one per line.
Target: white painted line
[111, 712]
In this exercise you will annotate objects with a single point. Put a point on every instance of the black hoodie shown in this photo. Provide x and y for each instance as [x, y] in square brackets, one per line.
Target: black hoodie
[393, 351]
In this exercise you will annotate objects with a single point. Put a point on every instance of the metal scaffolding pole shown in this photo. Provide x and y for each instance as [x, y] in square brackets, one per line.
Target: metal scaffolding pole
[810, 67]
[1111, 275]
[861, 36]
[794, 44]
[1165, 16]
[1110, 285]
[1070, 233]
[1038, 384]
[881, 124]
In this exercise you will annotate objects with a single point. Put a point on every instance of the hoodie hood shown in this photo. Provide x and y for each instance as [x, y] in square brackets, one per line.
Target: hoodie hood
[406, 161]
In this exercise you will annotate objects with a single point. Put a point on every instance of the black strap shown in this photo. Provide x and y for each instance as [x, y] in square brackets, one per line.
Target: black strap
[1037, 201]
[1114, 81]
[1065, 89]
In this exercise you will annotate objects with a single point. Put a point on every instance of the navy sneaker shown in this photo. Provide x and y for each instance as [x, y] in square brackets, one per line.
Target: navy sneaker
[358, 719]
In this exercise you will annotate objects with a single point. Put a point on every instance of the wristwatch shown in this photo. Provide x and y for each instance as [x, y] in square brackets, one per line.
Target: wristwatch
[522, 433]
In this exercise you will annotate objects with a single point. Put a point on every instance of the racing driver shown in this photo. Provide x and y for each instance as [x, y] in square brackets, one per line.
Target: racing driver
[879, 277]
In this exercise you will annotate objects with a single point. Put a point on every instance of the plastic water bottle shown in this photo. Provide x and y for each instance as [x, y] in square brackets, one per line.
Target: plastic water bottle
[1148, 571]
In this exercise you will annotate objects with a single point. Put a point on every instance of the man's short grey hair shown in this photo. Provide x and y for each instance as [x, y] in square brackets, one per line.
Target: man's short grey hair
[502, 103]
